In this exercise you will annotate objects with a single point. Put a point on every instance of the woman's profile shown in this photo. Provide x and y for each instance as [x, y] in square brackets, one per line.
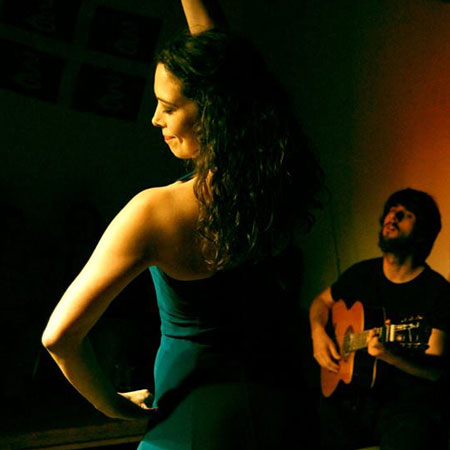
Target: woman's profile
[215, 243]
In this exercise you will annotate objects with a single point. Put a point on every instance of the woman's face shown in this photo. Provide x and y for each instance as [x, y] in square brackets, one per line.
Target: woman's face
[175, 115]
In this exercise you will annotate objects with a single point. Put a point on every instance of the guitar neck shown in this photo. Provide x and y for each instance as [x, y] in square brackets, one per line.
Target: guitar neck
[359, 341]
[401, 334]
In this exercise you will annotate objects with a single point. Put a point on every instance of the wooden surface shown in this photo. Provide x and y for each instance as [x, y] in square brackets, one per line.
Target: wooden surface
[64, 425]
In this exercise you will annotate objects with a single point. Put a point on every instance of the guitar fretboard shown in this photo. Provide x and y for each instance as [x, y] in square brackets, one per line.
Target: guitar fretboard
[401, 334]
[357, 341]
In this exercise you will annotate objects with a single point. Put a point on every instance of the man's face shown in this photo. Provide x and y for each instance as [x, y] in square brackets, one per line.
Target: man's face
[398, 223]
[396, 231]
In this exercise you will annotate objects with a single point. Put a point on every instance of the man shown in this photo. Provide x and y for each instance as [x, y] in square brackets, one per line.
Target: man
[405, 407]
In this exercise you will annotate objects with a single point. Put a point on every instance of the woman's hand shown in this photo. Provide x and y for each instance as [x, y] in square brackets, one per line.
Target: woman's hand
[199, 15]
[142, 398]
[131, 405]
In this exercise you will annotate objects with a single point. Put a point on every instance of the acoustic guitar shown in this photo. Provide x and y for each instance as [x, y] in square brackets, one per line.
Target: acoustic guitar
[350, 336]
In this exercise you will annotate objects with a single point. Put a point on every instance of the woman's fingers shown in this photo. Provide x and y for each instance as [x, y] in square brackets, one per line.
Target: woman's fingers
[142, 397]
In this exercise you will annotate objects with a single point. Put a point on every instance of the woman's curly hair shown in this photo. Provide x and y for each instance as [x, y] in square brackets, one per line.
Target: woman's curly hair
[255, 174]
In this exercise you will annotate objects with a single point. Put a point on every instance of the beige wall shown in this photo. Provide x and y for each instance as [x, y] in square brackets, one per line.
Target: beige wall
[394, 108]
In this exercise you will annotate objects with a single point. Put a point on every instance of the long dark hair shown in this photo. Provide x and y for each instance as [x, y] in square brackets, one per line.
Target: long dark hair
[256, 174]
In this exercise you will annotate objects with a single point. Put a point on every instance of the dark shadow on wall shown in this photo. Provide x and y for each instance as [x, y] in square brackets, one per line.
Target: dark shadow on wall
[76, 146]
[35, 269]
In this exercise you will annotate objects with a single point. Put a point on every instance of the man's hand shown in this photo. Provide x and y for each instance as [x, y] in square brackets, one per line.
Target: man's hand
[325, 352]
[376, 348]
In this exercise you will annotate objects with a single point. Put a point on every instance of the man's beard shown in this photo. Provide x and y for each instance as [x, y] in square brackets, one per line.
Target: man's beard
[399, 246]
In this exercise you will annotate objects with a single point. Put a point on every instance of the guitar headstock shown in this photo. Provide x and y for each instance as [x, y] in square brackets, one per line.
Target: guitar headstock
[412, 319]
[411, 333]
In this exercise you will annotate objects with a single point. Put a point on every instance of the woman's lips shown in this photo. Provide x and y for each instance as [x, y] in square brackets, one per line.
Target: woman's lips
[168, 138]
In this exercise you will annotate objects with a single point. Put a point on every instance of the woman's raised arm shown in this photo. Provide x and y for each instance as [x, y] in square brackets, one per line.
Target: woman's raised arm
[201, 15]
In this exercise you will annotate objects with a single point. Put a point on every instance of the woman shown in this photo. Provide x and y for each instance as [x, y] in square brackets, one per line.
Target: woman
[213, 242]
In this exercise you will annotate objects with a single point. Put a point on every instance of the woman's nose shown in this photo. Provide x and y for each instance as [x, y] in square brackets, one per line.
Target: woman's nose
[156, 119]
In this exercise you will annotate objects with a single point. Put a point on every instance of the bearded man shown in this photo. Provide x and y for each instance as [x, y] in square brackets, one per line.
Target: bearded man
[405, 407]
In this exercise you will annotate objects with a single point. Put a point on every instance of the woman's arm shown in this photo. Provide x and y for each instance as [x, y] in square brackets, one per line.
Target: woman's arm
[201, 15]
[127, 247]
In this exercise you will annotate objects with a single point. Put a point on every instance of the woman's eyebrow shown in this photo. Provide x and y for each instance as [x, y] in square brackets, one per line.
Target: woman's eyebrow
[166, 102]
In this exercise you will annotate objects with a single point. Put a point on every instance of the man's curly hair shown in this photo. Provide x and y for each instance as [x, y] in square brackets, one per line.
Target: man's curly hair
[255, 173]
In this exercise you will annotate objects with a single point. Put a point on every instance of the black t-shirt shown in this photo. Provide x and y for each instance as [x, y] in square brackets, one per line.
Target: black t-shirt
[427, 295]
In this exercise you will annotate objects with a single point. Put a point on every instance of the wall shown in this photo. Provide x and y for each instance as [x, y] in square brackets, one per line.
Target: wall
[370, 80]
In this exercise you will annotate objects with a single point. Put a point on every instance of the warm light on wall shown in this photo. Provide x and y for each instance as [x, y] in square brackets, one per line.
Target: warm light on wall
[397, 134]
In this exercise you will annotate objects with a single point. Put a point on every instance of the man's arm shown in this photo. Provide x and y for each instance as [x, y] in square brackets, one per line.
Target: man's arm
[324, 349]
[428, 366]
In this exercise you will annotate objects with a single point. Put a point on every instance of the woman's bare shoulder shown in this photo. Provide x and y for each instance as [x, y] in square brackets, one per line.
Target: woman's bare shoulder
[149, 224]
[150, 198]
[174, 198]
[163, 212]
[171, 215]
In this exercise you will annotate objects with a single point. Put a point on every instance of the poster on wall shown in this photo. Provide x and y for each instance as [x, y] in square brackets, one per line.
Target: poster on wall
[29, 71]
[123, 34]
[55, 19]
[108, 92]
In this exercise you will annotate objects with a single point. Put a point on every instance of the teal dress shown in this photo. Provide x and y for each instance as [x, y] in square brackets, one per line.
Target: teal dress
[225, 371]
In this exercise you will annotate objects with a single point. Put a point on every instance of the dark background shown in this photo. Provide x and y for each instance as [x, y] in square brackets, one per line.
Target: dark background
[77, 144]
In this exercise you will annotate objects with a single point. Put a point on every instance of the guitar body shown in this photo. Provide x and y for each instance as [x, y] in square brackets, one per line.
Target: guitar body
[344, 322]
[358, 367]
